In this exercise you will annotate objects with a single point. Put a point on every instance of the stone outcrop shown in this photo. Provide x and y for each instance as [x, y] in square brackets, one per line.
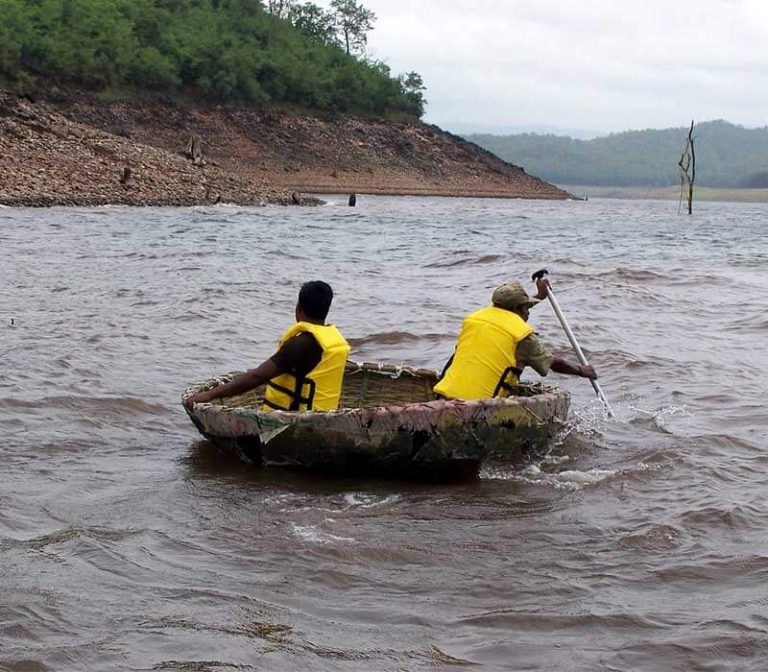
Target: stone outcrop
[86, 153]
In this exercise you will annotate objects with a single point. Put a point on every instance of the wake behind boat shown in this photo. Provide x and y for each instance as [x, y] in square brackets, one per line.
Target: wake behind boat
[388, 424]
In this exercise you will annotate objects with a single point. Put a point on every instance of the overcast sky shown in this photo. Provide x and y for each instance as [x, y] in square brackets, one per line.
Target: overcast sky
[601, 65]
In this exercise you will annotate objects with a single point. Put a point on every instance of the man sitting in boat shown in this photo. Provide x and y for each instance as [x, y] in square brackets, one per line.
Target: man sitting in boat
[306, 372]
[496, 343]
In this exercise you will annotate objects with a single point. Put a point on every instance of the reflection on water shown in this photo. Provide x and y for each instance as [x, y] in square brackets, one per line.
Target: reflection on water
[129, 543]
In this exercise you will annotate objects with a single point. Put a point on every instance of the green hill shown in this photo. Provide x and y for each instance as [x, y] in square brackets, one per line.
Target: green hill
[727, 156]
[232, 51]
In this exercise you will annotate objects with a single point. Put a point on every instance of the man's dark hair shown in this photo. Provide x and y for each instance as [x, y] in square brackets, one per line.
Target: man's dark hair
[315, 299]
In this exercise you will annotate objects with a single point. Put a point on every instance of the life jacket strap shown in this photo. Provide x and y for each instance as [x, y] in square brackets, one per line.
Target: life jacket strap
[503, 384]
[446, 367]
[294, 395]
[274, 406]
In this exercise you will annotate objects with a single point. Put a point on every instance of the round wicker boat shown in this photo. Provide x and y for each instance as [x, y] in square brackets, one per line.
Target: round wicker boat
[388, 423]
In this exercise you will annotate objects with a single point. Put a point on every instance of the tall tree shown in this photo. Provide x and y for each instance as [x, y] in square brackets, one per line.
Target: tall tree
[412, 86]
[280, 9]
[316, 24]
[354, 22]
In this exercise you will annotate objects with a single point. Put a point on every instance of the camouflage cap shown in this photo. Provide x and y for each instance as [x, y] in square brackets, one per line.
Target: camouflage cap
[512, 295]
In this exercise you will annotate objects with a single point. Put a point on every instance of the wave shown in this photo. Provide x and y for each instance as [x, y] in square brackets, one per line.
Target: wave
[569, 480]
[632, 274]
[396, 337]
[194, 315]
[359, 500]
[717, 570]
[513, 620]
[757, 322]
[67, 534]
[313, 534]
[677, 276]
[469, 261]
[652, 538]
[130, 405]
[282, 254]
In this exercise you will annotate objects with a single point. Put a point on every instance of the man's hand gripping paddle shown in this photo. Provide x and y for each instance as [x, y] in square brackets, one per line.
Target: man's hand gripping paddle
[577, 349]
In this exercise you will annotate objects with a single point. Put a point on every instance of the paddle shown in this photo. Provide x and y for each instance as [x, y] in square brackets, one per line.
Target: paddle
[577, 349]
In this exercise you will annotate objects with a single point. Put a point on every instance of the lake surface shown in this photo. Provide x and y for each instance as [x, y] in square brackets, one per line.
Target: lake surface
[128, 543]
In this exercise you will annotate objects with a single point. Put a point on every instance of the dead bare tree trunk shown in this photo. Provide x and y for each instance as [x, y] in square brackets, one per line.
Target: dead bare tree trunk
[687, 165]
[194, 151]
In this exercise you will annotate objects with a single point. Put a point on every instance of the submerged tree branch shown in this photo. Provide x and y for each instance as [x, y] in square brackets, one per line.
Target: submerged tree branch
[687, 164]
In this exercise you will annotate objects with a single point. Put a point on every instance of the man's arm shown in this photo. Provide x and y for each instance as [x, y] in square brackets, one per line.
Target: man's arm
[244, 382]
[300, 355]
[533, 353]
[560, 365]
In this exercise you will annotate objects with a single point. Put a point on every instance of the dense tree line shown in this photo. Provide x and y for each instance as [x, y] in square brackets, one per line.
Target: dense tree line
[726, 156]
[227, 50]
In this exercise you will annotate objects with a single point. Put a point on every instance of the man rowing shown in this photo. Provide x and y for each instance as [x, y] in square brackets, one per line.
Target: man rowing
[496, 343]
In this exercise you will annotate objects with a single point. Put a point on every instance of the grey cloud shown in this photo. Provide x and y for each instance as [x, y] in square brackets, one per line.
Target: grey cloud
[604, 64]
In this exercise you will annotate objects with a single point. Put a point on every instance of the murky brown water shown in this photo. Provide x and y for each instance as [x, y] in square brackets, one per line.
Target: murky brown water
[127, 543]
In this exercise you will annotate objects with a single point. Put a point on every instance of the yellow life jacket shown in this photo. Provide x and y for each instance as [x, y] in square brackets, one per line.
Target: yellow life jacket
[320, 389]
[484, 362]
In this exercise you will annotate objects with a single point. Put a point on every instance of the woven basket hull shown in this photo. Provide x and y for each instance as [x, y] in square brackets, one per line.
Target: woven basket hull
[389, 424]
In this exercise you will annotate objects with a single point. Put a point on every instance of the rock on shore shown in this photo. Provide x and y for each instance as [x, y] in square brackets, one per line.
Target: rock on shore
[86, 153]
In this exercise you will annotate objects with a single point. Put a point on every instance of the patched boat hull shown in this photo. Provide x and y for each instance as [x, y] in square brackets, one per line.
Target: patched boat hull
[375, 433]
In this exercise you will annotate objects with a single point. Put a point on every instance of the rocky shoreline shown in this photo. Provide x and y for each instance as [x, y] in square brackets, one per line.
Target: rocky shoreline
[81, 152]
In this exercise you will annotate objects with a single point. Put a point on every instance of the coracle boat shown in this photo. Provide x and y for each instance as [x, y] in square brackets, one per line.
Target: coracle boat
[388, 423]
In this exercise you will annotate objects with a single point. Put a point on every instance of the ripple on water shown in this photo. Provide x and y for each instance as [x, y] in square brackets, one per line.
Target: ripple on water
[98, 406]
[396, 337]
[315, 535]
[467, 261]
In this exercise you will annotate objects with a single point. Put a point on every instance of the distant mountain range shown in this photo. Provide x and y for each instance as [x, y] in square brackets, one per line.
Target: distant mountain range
[727, 156]
[466, 128]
